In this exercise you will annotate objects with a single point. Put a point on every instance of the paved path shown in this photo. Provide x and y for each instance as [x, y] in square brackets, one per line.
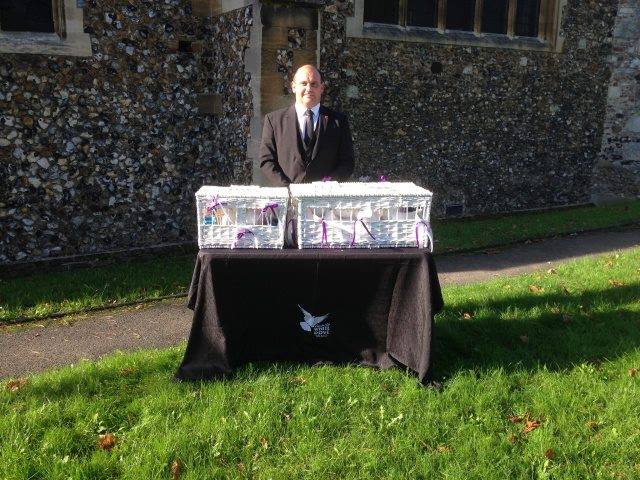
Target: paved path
[36, 347]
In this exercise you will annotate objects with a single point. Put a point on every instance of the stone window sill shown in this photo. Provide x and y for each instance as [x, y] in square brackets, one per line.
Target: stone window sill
[76, 44]
[377, 31]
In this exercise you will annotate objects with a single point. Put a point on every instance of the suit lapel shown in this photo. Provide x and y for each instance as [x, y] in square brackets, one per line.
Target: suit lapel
[293, 128]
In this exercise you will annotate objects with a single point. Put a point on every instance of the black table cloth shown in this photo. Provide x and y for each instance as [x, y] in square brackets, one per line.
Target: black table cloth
[372, 307]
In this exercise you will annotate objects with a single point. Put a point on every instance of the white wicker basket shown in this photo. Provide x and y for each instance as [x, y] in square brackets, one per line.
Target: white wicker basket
[241, 216]
[362, 215]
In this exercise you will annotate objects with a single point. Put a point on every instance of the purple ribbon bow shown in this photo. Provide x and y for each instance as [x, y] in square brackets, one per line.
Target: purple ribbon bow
[269, 206]
[353, 240]
[211, 205]
[382, 178]
[242, 232]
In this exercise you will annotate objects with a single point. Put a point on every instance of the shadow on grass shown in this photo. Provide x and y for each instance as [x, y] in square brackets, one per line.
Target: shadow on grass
[549, 250]
[552, 330]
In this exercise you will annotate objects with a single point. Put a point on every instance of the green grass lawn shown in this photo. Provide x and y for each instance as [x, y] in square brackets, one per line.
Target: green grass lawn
[539, 381]
[79, 290]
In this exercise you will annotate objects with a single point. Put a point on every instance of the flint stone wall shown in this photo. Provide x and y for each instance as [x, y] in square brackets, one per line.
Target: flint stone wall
[106, 152]
[618, 171]
[494, 129]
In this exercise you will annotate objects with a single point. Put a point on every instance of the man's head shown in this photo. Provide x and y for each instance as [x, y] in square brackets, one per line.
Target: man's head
[308, 86]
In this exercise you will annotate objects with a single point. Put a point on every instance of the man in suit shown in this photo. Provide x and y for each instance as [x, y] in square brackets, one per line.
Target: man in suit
[306, 142]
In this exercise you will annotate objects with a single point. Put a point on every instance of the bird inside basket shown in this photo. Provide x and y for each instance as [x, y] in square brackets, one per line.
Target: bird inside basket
[224, 216]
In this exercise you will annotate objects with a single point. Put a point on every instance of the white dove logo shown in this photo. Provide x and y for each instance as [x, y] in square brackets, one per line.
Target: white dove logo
[311, 323]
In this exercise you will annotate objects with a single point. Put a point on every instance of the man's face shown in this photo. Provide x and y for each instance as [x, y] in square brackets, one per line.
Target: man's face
[307, 87]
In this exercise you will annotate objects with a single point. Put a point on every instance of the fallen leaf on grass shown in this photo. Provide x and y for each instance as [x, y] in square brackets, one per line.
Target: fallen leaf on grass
[15, 385]
[466, 316]
[125, 372]
[552, 271]
[443, 449]
[106, 441]
[536, 289]
[591, 424]
[616, 283]
[264, 442]
[530, 426]
[298, 380]
[549, 453]
[633, 372]
[176, 469]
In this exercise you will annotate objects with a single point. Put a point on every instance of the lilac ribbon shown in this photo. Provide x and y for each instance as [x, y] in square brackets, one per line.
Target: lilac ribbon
[382, 178]
[427, 228]
[269, 206]
[211, 205]
[353, 240]
[242, 232]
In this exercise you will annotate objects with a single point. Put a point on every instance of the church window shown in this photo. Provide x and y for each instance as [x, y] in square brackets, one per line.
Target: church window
[510, 23]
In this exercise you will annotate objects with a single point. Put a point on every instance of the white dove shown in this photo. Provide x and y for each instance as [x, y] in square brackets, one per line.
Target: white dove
[309, 320]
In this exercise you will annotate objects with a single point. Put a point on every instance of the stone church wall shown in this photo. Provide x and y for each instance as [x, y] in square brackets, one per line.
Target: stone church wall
[105, 152]
[490, 129]
[617, 173]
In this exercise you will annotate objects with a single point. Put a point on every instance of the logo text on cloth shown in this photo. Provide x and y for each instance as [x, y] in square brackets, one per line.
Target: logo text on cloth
[317, 325]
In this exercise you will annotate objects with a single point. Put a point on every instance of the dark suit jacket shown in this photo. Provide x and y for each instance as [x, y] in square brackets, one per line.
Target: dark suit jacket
[282, 157]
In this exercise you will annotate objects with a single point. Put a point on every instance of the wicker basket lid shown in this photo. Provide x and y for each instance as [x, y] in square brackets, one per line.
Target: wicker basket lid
[358, 189]
[242, 191]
